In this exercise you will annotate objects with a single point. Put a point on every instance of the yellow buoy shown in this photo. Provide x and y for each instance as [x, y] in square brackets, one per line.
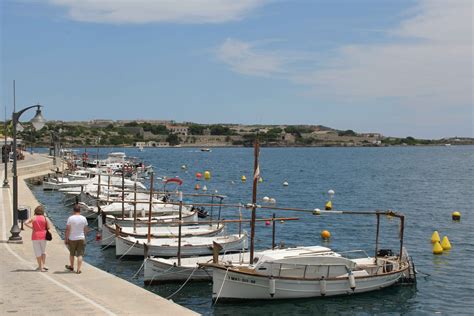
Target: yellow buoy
[260, 179]
[328, 206]
[435, 237]
[243, 178]
[325, 234]
[445, 243]
[207, 175]
[456, 216]
[437, 249]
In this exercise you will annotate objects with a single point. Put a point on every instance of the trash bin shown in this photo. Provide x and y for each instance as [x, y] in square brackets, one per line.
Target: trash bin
[23, 213]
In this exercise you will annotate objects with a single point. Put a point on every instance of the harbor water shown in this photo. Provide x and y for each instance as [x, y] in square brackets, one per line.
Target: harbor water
[426, 184]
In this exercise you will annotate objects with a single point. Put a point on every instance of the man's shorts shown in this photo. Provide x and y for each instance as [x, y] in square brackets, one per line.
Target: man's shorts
[77, 247]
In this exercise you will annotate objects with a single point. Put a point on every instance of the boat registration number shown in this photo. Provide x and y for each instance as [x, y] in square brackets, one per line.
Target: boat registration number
[243, 280]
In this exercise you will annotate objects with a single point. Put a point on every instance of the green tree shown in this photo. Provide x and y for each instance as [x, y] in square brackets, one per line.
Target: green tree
[348, 132]
[130, 124]
[195, 129]
[173, 139]
[220, 130]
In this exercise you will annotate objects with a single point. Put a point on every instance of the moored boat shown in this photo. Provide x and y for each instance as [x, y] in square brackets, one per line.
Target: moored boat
[157, 231]
[168, 247]
[304, 276]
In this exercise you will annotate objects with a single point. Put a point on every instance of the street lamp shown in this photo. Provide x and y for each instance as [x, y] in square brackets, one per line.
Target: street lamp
[55, 144]
[6, 154]
[38, 122]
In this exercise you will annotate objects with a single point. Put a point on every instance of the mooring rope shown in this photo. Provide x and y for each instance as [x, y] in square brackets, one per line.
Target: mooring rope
[126, 252]
[141, 267]
[109, 244]
[222, 285]
[189, 278]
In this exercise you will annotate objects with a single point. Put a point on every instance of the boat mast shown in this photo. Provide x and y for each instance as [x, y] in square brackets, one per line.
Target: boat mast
[254, 198]
[150, 207]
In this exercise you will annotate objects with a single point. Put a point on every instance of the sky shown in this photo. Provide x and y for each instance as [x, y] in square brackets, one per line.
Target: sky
[397, 67]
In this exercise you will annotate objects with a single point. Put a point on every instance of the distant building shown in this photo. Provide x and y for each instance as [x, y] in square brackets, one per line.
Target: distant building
[288, 138]
[371, 135]
[100, 123]
[178, 129]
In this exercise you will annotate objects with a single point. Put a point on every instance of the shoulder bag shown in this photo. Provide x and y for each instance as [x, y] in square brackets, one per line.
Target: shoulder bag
[48, 233]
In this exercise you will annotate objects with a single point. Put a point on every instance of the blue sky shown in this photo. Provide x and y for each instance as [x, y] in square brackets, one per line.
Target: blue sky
[402, 68]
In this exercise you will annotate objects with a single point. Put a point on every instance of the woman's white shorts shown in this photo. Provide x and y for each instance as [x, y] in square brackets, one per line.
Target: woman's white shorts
[39, 246]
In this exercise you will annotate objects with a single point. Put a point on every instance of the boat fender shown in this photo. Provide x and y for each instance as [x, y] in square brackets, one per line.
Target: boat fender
[143, 213]
[130, 214]
[352, 281]
[271, 286]
[322, 286]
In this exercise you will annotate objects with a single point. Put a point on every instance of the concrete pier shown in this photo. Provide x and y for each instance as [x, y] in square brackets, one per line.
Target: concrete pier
[24, 291]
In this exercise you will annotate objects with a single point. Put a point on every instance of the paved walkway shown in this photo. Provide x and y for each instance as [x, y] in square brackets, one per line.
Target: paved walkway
[57, 292]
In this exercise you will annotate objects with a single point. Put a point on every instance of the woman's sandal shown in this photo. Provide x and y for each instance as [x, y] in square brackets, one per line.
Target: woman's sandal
[68, 267]
[79, 272]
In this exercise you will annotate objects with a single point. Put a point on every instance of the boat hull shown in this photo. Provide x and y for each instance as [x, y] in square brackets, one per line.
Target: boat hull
[126, 247]
[108, 232]
[156, 271]
[240, 286]
[167, 270]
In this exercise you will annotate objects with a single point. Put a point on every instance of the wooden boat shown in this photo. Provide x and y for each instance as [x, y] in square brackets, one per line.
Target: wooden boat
[160, 269]
[312, 274]
[157, 231]
[307, 275]
[168, 247]
[191, 217]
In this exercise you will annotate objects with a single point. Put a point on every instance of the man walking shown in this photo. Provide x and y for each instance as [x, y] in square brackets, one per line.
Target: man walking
[75, 239]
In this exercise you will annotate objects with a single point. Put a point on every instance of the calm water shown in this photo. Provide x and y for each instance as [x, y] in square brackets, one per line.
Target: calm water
[424, 183]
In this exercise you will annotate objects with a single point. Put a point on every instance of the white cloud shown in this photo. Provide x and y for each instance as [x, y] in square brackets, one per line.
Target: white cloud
[148, 11]
[428, 62]
[245, 58]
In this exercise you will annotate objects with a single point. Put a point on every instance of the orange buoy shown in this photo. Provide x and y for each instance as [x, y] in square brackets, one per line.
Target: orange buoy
[325, 234]
[197, 186]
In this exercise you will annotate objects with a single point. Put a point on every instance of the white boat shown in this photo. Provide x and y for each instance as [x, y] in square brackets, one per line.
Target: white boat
[105, 181]
[142, 209]
[306, 275]
[157, 231]
[191, 217]
[161, 269]
[168, 247]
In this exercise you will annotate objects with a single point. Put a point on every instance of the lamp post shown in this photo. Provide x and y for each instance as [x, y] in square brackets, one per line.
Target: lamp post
[6, 154]
[38, 122]
[55, 144]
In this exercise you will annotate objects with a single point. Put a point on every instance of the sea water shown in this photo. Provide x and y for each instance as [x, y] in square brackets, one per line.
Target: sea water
[426, 184]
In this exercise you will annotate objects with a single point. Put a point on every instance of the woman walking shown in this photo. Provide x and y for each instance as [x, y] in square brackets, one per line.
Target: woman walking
[39, 224]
